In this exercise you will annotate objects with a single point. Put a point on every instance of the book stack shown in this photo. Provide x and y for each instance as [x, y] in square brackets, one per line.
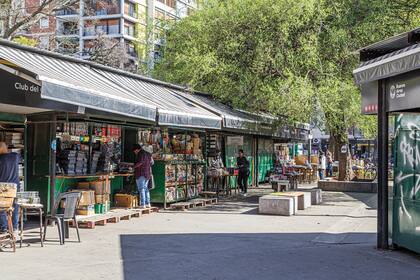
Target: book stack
[81, 163]
[67, 161]
[94, 162]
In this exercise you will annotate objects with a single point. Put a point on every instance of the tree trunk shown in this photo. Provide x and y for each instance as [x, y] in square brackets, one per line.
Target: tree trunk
[333, 148]
[345, 171]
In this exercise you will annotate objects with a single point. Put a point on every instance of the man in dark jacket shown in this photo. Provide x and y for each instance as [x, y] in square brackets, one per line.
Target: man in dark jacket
[243, 166]
[9, 173]
[142, 172]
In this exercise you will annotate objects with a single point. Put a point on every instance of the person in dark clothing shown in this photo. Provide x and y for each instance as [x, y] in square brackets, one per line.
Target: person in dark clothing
[142, 172]
[243, 166]
[9, 173]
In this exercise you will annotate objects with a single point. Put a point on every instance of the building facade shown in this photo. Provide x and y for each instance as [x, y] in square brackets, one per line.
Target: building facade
[137, 24]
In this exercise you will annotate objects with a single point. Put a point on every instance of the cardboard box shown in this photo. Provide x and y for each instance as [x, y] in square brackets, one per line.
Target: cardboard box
[6, 202]
[86, 210]
[83, 185]
[100, 187]
[8, 190]
[88, 198]
[125, 200]
[102, 198]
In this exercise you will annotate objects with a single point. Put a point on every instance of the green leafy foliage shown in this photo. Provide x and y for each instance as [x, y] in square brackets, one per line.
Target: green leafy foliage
[25, 41]
[291, 58]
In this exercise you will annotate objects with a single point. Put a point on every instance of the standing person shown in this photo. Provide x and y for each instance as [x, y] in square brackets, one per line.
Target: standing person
[243, 165]
[322, 165]
[329, 164]
[9, 173]
[142, 172]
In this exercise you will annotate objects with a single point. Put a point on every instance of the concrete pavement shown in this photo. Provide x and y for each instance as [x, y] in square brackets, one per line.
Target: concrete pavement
[227, 241]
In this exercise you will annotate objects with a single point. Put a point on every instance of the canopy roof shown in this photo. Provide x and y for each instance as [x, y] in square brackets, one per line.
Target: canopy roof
[90, 85]
[390, 57]
[239, 120]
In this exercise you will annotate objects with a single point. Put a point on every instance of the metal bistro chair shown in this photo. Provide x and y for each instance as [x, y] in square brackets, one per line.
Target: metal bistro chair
[71, 200]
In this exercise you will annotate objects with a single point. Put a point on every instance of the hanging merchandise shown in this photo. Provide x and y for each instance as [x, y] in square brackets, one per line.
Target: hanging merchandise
[178, 169]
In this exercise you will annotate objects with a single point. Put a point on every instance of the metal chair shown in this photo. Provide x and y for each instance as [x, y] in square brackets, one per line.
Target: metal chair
[71, 200]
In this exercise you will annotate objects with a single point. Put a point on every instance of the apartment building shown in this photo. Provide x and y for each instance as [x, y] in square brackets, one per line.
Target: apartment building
[137, 24]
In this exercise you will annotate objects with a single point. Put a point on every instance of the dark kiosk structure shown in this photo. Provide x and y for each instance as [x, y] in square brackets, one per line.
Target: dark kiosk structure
[389, 77]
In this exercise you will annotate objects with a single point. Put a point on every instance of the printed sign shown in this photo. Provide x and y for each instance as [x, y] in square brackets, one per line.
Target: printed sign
[27, 87]
[235, 140]
[344, 149]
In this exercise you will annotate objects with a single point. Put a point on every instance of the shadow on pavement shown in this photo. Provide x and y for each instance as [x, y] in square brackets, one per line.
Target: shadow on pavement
[259, 256]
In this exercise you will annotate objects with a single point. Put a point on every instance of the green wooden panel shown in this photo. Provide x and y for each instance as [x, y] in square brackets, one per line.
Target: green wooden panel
[157, 195]
[14, 118]
[406, 194]
[265, 157]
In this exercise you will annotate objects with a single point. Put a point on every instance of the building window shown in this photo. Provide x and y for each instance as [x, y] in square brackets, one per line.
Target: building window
[129, 30]
[44, 22]
[130, 9]
[171, 3]
[44, 42]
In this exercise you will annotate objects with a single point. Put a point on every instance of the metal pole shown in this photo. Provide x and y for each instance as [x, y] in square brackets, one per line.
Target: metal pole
[382, 237]
[53, 128]
[309, 150]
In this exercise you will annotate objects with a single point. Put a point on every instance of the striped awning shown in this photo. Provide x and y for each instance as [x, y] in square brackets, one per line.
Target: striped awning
[172, 109]
[77, 82]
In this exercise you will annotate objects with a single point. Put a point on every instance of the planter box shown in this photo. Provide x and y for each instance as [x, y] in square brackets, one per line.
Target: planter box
[348, 186]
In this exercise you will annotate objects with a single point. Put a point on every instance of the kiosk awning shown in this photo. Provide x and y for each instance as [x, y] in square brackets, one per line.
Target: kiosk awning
[173, 109]
[232, 119]
[70, 81]
[390, 57]
[395, 63]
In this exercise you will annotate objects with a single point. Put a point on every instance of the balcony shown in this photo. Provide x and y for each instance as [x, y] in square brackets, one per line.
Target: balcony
[101, 29]
[132, 14]
[107, 11]
[67, 12]
[101, 8]
[67, 31]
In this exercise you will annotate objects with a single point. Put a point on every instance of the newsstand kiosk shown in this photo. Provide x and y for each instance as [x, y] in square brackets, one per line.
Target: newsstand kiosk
[389, 77]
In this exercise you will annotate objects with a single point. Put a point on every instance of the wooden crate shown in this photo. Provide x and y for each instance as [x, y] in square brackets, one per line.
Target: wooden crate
[8, 190]
[125, 200]
[6, 202]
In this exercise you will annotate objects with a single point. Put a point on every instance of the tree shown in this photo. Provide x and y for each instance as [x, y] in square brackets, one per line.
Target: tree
[347, 26]
[284, 57]
[255, 54]
[108, 51]
[16, 16]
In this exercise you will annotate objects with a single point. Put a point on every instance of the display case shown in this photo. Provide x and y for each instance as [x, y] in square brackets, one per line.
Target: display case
[177, 181]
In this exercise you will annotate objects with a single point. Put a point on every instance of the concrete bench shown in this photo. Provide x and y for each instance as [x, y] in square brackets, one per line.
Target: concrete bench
[302, 199]
[280, 185]
[277, 205]
[316, 196]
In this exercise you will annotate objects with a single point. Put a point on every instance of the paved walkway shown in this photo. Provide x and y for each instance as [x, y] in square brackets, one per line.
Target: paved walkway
[334, 240]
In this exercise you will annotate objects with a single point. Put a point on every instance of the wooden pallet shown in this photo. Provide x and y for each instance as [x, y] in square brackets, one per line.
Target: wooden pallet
[198, 202]
[210, 201]
[207, 194]
[148, 210]
[114, 216]
[182, 205]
